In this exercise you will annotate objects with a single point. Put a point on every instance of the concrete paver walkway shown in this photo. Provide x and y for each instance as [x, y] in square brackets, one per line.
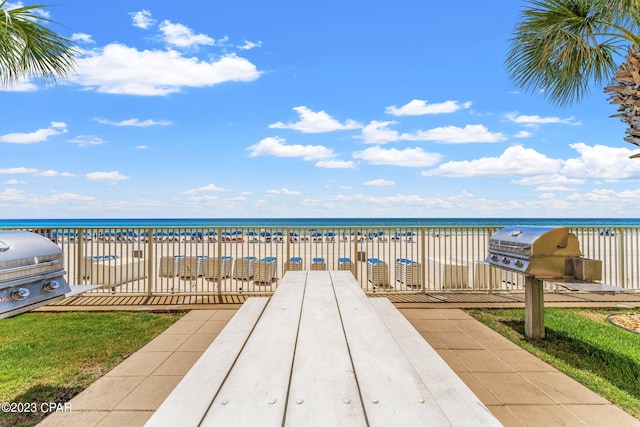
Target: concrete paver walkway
[517, 387]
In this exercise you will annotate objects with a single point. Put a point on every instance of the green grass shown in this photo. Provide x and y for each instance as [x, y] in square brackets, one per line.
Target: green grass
[51, 357]
[583, 344]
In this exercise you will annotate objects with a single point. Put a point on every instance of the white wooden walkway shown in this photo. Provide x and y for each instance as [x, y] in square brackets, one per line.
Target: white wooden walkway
[321, 353]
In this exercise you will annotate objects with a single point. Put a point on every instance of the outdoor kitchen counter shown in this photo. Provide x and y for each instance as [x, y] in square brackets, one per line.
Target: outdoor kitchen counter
[319, 352]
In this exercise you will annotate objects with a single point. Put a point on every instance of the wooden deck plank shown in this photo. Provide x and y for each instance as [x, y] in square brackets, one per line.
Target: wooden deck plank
[256, 389]
[457, 401]
[392, 391]
[323, 388]
[189, 400]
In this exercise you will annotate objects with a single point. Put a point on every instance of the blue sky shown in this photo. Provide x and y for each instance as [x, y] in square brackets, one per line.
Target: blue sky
[288, 109]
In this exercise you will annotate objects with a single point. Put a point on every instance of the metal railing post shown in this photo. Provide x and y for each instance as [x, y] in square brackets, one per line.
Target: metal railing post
[79, 256]
[150, 260]
[423, 258]
[622, 274]
[219, 261]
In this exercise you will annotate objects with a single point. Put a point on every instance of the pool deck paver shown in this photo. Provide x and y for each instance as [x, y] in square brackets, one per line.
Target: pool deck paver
[518, 388]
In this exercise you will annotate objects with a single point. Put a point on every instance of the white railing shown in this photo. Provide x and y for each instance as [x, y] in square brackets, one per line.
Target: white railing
[224, 260]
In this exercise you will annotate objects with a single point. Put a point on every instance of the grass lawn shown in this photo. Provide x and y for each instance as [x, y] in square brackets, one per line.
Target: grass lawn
[583, 344]
[51, 357]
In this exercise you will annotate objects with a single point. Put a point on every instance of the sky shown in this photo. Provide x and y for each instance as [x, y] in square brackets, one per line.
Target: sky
[288, 109]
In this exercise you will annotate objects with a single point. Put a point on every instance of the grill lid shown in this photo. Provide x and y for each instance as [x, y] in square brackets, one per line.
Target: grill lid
[535, 250]
[529, 241]
[23, 253]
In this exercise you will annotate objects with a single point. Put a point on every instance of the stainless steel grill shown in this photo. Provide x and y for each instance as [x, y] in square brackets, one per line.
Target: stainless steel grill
[31, 272]
[542, 252]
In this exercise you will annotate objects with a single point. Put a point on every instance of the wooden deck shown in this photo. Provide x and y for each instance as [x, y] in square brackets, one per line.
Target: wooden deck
[445, 299]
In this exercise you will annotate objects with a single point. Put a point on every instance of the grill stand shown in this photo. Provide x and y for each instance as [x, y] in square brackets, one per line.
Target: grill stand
[533, 307]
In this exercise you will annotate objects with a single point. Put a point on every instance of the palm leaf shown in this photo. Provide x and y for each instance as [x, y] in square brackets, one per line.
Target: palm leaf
[29, 49]
[562, 48]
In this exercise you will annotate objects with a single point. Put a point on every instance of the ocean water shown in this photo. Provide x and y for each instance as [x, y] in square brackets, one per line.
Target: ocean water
[309, 222]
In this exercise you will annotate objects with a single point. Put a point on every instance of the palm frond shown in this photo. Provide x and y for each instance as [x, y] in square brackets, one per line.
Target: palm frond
[563, 47]
[29, 49]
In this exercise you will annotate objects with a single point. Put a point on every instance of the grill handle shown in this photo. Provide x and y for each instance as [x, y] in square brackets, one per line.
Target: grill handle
[31, 279]
[506, 245]
[30, 266]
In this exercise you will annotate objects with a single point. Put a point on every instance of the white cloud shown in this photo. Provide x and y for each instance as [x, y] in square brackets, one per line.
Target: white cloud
[250, 45]
[141, 147]
[335, 164]
[134, 122]
[601, 162]
[12, 195]
[315, 122]
[523, 134]
[408, 157]
[377, 132]
[110, 177]
[20, 86]
[455, 135]
[204, 198]
[552, 179]
[274, 146]
[13, 182]
[71, 197]
[39, 135]
[180, 35]
[380, 182]
[515, 160]
[82, 38]
[119, 69]
[549, 188]
[14, 5]
[87, 140]
[142, 19]
[206, 188]
[52, 173]
[534, 120]
[283, 191]
[419, 107]
[19, 170]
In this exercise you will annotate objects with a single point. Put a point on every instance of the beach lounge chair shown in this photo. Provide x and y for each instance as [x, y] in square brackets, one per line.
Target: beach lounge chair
[170, 265]
[243, 268]
[265, 270]
[90, 260]
[294, 264]
[346, 264]
[193, 266]
[408, 272]
[211, 270]
[318, 264]
[378, 272]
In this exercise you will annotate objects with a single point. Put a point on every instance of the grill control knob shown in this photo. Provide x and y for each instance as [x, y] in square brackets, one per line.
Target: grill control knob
[506, 260]
[20, 294]
[494, 257]
[519, 263]
[50, 286]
